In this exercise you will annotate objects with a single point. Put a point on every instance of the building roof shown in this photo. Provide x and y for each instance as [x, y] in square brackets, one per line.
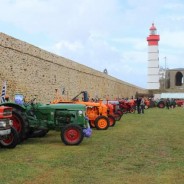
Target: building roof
[172, 95]
[176, 69]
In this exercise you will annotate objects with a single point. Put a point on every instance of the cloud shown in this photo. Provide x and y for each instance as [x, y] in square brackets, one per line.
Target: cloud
[100, 34]
[174, 6]
[173, 39]
[66, 45]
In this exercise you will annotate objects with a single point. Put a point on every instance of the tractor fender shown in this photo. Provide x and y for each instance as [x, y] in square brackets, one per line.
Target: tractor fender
[13, 105]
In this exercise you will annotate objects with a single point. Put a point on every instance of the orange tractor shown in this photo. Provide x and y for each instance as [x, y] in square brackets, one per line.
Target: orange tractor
[96, 111]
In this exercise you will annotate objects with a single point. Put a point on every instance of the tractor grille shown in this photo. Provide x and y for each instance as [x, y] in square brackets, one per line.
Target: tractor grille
[7, 113]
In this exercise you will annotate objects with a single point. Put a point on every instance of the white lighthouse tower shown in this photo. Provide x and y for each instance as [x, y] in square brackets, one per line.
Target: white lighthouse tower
[153, 59]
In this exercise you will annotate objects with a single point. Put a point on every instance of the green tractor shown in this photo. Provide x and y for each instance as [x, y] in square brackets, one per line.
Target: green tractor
[163, 102]
[36, 119]
[160, 103]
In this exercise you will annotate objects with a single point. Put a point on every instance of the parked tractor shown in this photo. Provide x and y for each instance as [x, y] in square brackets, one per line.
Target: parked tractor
[113, 109]
[36, 119]
[127, 106]
[96, 111]
[179, 102]
[8, 134]
[162, 103]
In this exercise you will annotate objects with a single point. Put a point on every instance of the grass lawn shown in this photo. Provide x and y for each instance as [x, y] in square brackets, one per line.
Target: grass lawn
[139, 149]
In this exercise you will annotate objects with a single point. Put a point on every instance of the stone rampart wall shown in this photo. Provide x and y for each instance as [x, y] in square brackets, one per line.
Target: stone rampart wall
[36, 72]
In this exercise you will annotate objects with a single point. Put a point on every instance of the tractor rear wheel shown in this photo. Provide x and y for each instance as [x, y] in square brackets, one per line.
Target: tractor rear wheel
[161, 104]
[112, 120]
[11, 141]
[102, 123]
[117, 116]
[72, 134]
[20, 123]
[120, 112]
[92, 123]
[124, 111]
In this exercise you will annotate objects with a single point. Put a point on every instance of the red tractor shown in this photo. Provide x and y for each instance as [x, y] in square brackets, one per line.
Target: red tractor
[8, 135]
[113, 109]
[127, 106]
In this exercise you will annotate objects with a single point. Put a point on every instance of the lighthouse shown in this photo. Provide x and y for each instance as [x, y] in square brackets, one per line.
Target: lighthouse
[153, 59]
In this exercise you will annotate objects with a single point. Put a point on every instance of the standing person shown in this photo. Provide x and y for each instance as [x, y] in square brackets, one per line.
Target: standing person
[167, 103]
[138, 102]
[142, 105]
[172, 103]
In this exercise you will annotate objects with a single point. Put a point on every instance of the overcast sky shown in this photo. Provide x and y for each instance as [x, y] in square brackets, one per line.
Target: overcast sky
[100, 34]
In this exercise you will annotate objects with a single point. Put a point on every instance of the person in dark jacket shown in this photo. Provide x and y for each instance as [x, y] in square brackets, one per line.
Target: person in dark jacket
[167, 103]
[138, 103]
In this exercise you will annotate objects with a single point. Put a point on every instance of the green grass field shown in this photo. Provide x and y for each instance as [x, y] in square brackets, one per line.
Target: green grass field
[139, 149]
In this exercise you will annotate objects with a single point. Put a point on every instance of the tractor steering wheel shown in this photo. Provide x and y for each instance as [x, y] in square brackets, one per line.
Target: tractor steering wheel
[31, 102]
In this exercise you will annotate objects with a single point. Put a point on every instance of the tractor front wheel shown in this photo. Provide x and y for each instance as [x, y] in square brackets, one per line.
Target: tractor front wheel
[11, 141]
[102, 123]
[72, 134]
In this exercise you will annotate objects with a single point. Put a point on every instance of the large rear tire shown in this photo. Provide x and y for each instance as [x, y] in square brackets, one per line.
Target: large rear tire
[72, 134]
[11, 141]
[102, 123]
[92, 123]
[120, 112]
[20, 123]
[161, 104]
[117, 116]
[112, 120]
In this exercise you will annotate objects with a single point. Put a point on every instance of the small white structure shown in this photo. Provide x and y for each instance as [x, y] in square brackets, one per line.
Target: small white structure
[153, 59]
[172, 95]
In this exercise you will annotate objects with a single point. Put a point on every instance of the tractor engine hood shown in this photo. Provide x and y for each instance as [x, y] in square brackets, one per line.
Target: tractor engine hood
[62, 106]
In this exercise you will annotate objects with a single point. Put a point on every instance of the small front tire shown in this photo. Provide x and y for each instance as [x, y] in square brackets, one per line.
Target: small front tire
[11, 141]
[72, 134]
[102, 123]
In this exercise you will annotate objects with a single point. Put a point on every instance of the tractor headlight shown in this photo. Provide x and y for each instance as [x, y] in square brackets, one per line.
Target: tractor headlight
[2, 124]
[10, 122]
[80, 113]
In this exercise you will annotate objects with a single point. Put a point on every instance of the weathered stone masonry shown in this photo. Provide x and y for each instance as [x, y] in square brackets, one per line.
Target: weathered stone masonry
[33, 71]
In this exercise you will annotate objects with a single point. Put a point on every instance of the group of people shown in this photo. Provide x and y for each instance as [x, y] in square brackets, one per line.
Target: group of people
[140, 102]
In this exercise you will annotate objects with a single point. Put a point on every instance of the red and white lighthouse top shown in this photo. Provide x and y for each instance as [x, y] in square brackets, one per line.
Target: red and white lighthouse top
[153, 27]
[153, 37]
